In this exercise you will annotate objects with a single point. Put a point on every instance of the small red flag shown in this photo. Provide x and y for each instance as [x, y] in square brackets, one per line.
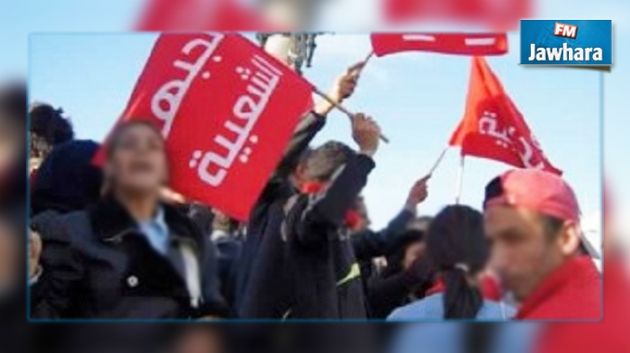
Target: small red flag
[492, 126]
[447, 43]
[227, 110]
[503, 15]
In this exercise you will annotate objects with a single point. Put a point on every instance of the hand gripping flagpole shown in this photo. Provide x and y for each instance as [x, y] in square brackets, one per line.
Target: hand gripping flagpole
[342, 109]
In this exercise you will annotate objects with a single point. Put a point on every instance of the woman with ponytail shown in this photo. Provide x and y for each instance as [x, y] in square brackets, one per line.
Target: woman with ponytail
[458, 251]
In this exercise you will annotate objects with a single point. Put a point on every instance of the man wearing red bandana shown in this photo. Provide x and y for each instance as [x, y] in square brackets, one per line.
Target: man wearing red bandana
[538, 249]
[324, 277]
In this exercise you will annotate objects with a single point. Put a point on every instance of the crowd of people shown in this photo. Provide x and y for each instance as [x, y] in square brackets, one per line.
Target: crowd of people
[116, 242]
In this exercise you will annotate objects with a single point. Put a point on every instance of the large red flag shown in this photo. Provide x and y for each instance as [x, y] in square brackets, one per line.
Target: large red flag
[492, 126]
[199, 15]
[226, 109]
[447, 43]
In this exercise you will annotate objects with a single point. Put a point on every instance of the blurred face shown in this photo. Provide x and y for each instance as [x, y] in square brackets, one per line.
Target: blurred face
[138, 164]
[413, 252]
[200, 340]
[521, 252]
[39, 148]
[11, 146]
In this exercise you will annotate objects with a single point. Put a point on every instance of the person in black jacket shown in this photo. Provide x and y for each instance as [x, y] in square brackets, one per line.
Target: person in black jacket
[369, 245]
[260, 279]
[405, 278]
[322, 270]
[129, 255]
[67, 180]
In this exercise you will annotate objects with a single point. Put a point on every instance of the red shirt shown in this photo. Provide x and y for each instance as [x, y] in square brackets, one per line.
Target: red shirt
[573, 291]
[609, 335]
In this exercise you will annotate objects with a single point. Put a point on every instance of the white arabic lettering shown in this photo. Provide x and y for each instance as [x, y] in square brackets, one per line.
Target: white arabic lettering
[488, 125]
[165, 103]
[213, 167]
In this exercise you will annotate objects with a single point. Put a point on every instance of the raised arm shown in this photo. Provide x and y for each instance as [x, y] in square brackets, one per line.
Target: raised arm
[328, 208]
[369, 244]
[308, 127]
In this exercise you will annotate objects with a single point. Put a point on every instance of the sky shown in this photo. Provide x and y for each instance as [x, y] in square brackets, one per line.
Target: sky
[418, 98]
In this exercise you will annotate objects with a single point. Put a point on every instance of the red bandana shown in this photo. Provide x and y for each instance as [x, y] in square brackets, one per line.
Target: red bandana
[352, 218]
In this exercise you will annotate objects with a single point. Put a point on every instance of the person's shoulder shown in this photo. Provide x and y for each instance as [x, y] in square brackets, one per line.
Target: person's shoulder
[427, 308]
[493, 310]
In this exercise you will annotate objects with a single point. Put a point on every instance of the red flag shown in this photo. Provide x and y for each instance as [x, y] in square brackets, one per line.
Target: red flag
[492, 126]
[503, 15]
[198, 15]
[226, 109]
[447, 43]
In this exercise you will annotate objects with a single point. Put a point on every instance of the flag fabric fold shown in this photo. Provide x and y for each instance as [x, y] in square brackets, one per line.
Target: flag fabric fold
[492, 126]
[446, 43]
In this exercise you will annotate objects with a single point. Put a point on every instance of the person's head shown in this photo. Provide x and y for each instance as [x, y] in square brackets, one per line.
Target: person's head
[136, 159]
[532, 222]
[325, 160]
[48, 127]
[458, 250]
[298, 174]
[72, 160]
[361, 208]
[12, 147]
[199, 339]
[407, 248]
[420, 223]
[357, 217]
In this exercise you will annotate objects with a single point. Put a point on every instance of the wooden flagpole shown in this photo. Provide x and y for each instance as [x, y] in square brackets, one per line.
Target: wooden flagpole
[437, 162]
[460, 179]
[342, 109]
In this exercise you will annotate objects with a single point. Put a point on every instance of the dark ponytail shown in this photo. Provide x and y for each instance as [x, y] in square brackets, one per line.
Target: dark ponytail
[461, 301]
[458, 249]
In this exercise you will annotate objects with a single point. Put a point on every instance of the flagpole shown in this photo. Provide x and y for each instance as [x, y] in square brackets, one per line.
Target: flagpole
[437, 162]
[460, 179]
[342, 109]
[368, 57]
[365, 61]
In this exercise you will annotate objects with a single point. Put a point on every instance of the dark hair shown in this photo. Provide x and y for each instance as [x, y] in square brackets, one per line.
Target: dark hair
[457, 247]
[70, 161]
[396, 252]
[323, 161]
[50, 124]
[114, 138]
[13, 101]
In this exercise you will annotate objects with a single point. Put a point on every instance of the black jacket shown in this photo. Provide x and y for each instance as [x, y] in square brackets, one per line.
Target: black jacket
[260, 283]
[96, 264]
[387, 292]
[324, 275]
[369, 244]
